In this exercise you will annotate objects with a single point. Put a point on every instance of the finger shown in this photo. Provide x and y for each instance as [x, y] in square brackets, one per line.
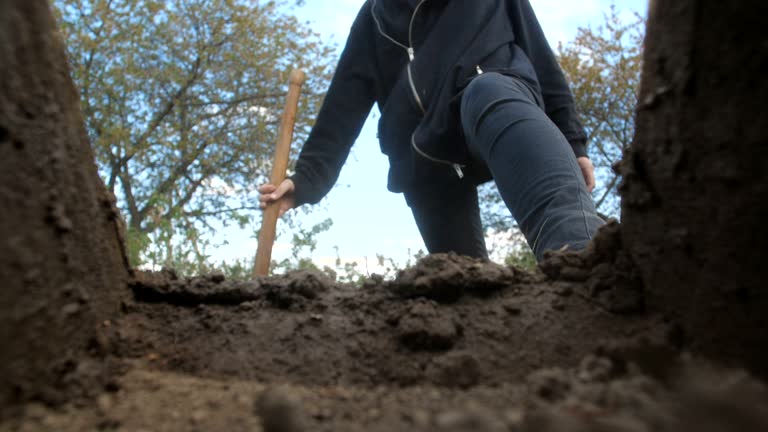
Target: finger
[591, 180]
[276, 194]
[267, 188]
[588, 172]
[285, 187]
[587, 179]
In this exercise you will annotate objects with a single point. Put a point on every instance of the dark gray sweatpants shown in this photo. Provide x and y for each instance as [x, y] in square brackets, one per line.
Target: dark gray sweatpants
[534, 169]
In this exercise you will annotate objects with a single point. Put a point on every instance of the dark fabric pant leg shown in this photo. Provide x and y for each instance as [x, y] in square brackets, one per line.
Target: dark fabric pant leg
[448, 219]
[532, 163]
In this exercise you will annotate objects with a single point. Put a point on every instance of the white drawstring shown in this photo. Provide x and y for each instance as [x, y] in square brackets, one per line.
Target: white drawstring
[411, 55]
[409, 49]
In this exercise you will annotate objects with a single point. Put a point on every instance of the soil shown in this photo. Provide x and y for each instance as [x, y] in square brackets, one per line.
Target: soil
[696, 176]
[302, 328]
[62, 264]
[452, 344]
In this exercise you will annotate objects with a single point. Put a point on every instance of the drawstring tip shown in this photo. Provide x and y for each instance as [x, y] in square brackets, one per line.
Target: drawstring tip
[459, 172]
[411, 54]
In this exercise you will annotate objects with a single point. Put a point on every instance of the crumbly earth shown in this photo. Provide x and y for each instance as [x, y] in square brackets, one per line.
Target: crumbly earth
[62, 260]
[594, 396]
[452, 344]
[449, 321]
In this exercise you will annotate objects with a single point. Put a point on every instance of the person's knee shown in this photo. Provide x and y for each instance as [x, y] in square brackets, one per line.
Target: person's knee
[489, 92]
[481, 91]
[478, 95]
[485, 83]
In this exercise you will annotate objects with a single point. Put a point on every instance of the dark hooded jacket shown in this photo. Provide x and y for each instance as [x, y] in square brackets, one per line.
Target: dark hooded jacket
[420, 129]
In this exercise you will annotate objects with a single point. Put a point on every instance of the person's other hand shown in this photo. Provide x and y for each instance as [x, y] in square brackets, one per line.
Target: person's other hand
[282, 194]
[588, 171]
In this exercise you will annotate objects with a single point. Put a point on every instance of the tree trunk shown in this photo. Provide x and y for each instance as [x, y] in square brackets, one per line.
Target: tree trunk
[694, 211]
[62, 262]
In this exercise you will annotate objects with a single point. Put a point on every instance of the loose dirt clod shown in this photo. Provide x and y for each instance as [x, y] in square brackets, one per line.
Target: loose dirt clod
[470, 419]
[446, 277]
[294, 290]
[281, 410]
[166, 287]
[603, 272]
[455, 370]
[425, 327]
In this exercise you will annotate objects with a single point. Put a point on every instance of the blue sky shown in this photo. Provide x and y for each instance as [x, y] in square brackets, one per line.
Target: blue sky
[369, 220]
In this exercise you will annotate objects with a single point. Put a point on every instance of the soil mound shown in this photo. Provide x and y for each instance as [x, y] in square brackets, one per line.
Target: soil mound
[303, 328]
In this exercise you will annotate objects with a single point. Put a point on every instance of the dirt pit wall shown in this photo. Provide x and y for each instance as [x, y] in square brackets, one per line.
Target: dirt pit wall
[696, 176]
[61, 259]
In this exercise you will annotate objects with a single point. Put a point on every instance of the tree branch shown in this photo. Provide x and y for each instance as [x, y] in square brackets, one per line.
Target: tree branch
[160, 115]
[607, 192]
[133, 211]
[200, 213]
[235, 101]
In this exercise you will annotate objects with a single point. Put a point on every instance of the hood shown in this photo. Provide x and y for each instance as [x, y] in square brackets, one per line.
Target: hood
[395, 16]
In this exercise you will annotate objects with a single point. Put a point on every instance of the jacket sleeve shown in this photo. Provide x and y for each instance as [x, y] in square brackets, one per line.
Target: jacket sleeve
[345, 108]
[558, 99]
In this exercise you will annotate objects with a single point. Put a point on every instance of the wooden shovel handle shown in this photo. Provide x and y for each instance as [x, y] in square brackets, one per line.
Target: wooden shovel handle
[280, 165]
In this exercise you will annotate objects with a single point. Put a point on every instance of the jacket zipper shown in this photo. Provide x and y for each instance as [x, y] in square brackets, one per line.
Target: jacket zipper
[414, 91]
[456, 167]
[411, 55]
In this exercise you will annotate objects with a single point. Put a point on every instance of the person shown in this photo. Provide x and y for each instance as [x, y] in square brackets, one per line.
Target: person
[469, 91]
